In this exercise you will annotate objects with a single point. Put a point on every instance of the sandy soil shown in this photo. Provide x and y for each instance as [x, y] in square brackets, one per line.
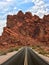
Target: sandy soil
[4, 58]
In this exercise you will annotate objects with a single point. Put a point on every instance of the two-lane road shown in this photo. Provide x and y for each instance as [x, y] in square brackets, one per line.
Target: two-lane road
[25, 57]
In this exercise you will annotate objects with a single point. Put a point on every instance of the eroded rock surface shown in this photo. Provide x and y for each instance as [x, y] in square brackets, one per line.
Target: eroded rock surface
[25, 29]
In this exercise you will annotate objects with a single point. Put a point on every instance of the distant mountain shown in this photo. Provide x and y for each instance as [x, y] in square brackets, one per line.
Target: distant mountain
[26, 29]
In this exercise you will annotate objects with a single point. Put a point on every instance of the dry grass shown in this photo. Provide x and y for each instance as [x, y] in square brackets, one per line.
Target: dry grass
[41, 50]
[5, 51]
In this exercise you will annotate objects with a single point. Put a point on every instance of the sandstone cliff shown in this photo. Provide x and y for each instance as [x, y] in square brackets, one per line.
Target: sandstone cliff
[26, 29]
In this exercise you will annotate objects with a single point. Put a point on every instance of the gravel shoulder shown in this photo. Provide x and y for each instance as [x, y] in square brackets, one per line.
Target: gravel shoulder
[42, 56]
[4, 58]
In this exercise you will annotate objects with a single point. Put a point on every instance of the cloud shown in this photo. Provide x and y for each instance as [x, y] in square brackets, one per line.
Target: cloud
[40, 8]
[8, 0]
[2, 24]
[10, 6]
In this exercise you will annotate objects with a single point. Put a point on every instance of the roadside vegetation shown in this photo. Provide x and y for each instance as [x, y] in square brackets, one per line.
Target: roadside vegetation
[5, 51]
[41, 50]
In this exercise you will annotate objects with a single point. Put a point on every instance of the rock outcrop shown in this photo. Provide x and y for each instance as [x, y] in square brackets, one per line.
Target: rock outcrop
[26, 29]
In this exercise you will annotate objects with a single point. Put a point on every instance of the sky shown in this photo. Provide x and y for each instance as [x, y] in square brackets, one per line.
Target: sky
[38, 7]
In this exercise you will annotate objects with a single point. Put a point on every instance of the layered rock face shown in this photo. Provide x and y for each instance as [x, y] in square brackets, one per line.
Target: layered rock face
[26, 29]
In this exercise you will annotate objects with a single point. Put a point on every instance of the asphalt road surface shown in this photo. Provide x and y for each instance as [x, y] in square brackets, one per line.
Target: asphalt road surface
[34, 59]
[25, 57]
[17, 59]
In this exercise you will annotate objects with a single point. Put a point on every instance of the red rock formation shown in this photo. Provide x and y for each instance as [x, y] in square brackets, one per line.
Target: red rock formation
[25, 29]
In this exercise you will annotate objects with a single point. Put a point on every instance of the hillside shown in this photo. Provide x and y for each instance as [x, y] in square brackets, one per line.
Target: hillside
[25, 29]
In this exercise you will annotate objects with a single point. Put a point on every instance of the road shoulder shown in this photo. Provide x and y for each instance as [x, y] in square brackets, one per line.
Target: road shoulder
[42, 56]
